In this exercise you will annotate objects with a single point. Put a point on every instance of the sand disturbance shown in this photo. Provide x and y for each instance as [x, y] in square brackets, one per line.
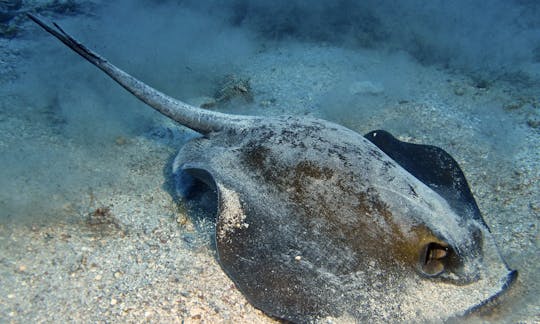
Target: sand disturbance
[123, 256]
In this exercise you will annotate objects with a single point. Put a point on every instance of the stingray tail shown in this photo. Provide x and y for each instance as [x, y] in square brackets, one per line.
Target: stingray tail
[200, 120]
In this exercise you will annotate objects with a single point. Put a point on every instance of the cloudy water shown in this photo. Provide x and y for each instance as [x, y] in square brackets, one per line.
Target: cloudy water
[91, 228]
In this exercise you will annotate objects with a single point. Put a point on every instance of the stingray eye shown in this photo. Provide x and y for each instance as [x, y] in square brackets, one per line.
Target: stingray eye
[434, 259]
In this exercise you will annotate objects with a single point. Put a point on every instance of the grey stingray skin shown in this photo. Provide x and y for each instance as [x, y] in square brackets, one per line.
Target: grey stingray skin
[317, 222]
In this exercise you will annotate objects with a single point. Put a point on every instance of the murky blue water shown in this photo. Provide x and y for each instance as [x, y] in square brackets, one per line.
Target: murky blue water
[461, 75]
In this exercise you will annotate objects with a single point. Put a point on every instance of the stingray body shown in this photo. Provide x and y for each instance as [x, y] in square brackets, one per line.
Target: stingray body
[315, 221]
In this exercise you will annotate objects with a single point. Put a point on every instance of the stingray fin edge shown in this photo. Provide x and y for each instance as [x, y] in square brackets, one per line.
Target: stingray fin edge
[434, 167]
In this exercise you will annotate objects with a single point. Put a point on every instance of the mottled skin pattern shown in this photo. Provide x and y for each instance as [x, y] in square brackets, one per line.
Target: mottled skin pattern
[316, 221]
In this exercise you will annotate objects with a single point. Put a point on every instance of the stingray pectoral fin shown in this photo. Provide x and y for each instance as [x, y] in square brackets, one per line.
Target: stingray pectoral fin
[434, 167]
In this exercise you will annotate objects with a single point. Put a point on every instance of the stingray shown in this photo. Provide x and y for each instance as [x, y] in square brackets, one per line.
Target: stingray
[316, 222]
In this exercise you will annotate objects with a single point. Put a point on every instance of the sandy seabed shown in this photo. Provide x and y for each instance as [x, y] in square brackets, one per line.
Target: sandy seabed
[118, 246]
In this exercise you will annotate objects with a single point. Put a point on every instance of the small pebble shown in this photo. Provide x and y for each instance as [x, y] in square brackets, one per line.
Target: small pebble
[182, 219]
[120, 140]
[98, 277]
[298, 258]
[459, 91]
[534, 122]
[113, 302]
